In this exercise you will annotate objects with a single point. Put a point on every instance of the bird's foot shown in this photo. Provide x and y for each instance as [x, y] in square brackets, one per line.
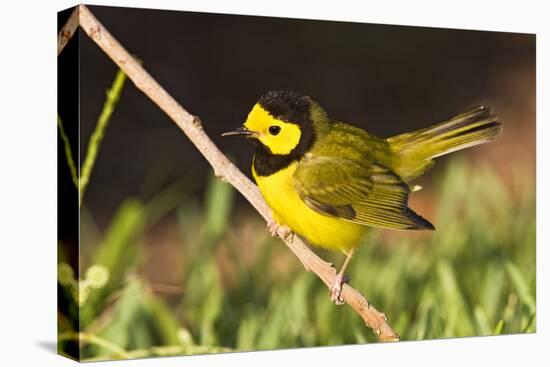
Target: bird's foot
[336, 289]
[273, 227]
[283, 232]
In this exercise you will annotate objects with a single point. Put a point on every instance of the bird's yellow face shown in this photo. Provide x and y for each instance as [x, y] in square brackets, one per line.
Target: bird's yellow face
[279, 136]
[283, 127]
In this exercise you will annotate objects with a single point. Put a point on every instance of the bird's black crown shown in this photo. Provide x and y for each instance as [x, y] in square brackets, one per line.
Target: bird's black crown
[288, 106]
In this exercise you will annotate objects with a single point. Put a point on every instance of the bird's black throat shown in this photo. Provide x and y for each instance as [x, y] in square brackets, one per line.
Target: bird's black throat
[267, 163]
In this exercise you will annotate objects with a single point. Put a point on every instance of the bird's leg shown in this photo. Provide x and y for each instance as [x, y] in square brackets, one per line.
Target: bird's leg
[277, 230]
[336, 289]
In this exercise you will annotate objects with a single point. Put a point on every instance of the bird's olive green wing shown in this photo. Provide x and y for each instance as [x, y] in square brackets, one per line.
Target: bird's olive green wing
[364, 193]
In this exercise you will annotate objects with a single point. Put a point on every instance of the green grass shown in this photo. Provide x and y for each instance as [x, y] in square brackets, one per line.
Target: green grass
[241, 290]
[473, 276]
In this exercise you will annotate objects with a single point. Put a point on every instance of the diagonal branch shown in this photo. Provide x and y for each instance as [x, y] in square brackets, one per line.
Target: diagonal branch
[224, 169]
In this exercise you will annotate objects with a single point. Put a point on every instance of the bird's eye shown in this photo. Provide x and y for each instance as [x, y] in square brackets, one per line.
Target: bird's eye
[274, 130]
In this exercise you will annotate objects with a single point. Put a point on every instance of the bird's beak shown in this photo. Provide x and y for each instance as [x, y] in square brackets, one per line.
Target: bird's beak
[240, 131]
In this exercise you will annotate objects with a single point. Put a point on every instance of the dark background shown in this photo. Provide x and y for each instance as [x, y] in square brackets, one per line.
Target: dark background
[386, 79]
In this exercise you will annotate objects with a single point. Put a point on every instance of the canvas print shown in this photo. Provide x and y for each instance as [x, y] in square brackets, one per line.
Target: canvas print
[232, 183]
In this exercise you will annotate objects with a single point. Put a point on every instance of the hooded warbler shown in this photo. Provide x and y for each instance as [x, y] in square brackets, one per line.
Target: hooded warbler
[328, 181]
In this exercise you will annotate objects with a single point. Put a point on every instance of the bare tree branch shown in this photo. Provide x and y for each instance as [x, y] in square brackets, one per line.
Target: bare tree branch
[224, 169]
[67, 31]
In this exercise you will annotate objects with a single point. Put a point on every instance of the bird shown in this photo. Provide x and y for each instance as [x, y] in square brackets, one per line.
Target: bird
[329, 181]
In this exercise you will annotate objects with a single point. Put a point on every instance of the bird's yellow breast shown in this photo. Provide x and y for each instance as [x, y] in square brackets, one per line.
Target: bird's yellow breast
[288, 209]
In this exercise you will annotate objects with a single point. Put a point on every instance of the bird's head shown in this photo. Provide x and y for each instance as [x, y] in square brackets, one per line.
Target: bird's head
[283, 123]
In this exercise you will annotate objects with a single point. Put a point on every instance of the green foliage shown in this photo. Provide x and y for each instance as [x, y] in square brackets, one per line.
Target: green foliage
[113, 95]
[68, 154]
[81, 182]
[118, 252]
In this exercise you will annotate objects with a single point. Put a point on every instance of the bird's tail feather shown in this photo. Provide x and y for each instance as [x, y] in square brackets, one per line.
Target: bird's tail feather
[416, 150]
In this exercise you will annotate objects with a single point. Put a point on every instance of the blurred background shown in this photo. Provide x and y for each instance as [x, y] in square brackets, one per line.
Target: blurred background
[175, 262]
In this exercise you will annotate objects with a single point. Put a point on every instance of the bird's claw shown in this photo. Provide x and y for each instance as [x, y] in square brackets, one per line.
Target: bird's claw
[336, 289]
[273, 227]
[283, 232]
